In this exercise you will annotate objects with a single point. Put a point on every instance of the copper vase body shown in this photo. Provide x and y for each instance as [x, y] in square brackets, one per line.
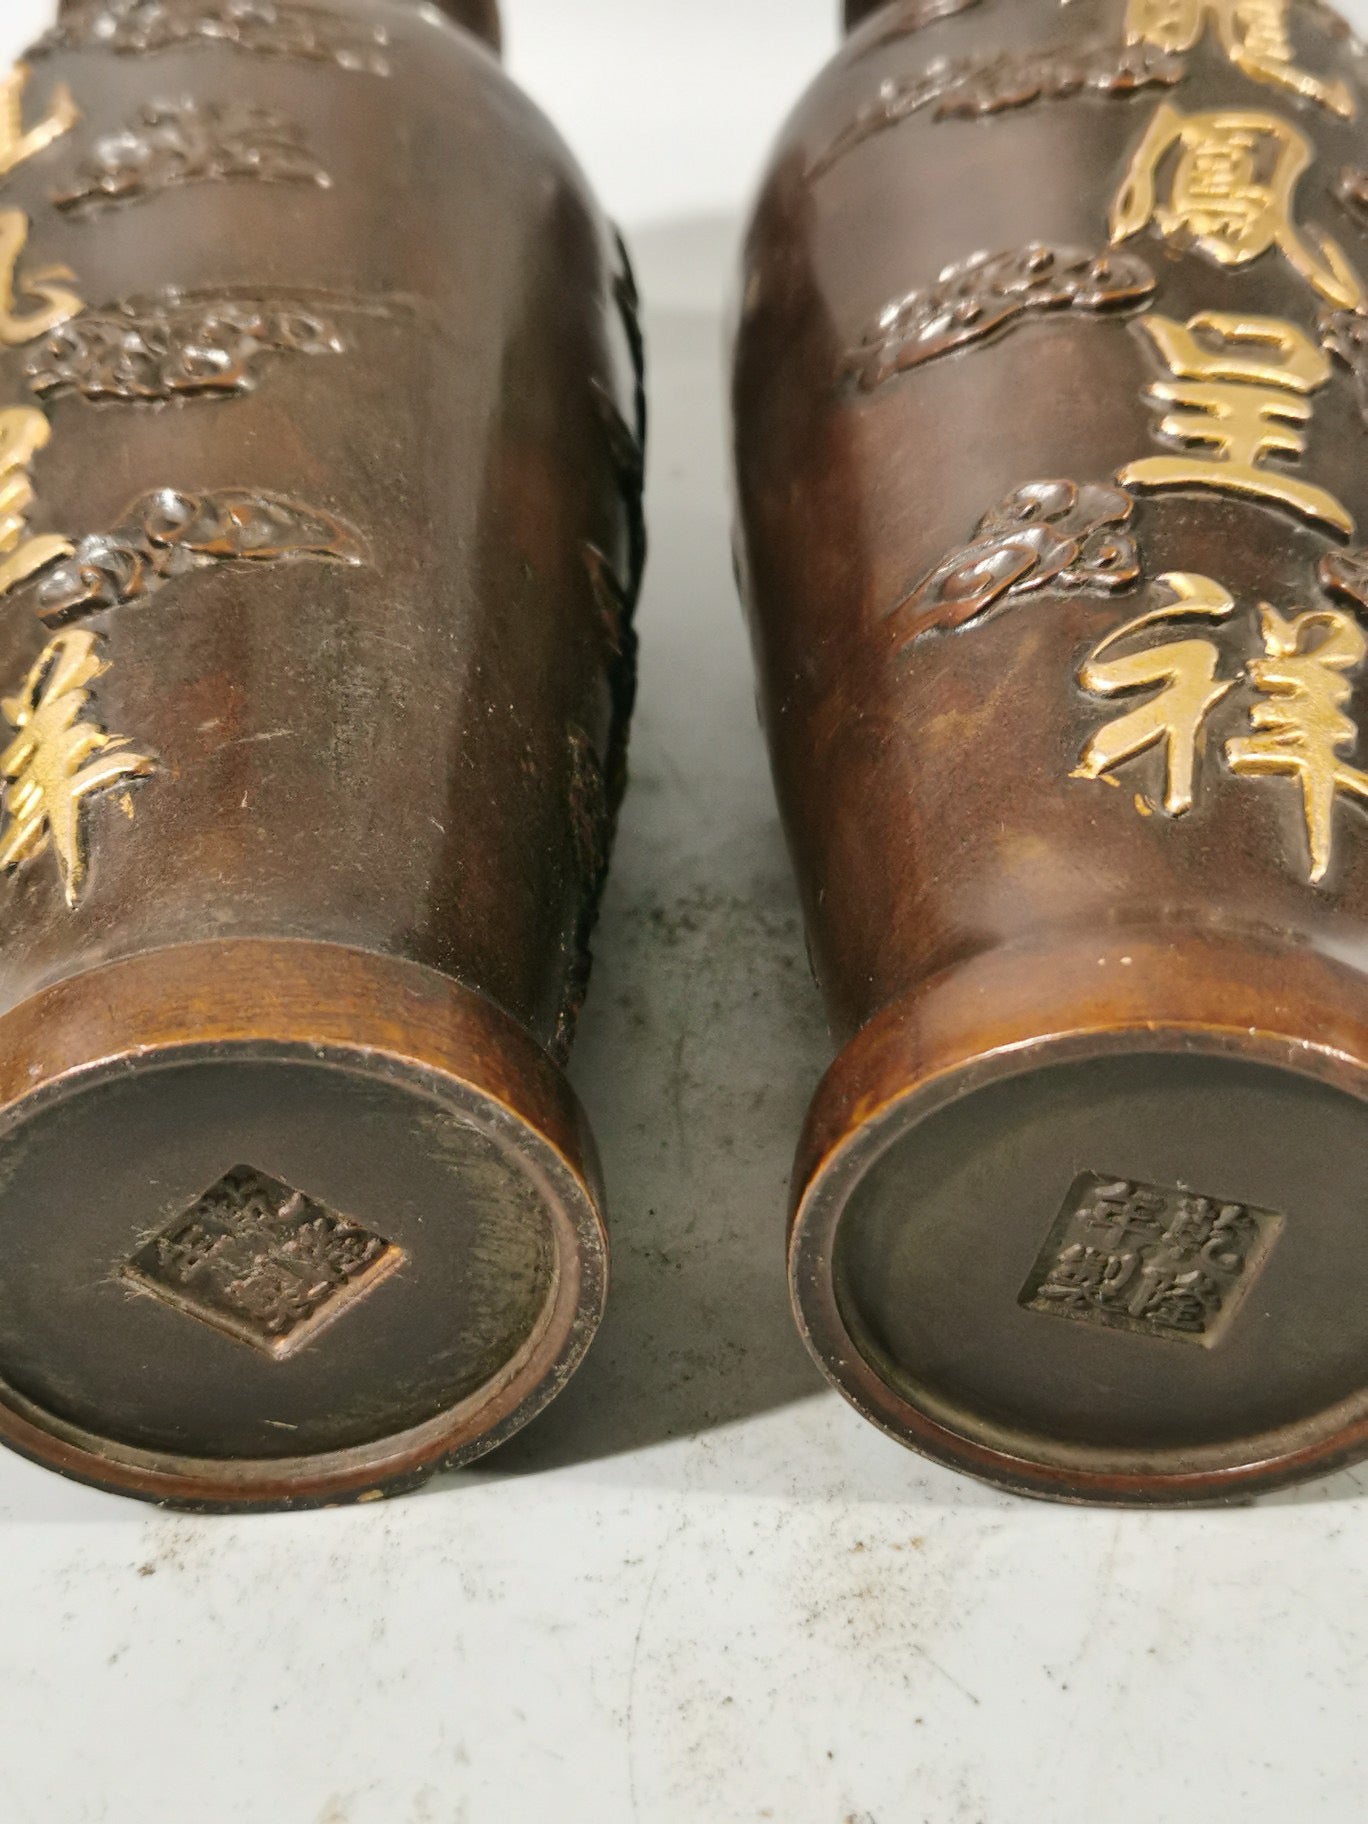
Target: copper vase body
[317, 661]
[1050, 408]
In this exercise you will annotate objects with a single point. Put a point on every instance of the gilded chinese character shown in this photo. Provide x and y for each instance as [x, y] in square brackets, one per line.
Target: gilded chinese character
[1240, 391]
[1254, 35]
[1300, 728]
[17, 143]
[1230, 193]
[23, 432]
[58, 304]
[1188, 689]
[57, 758]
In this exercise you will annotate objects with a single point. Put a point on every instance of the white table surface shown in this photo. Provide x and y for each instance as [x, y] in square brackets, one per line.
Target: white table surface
[699, 1588]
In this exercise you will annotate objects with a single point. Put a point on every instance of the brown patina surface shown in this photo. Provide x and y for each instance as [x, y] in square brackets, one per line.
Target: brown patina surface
[1050, 448]
[343, 446]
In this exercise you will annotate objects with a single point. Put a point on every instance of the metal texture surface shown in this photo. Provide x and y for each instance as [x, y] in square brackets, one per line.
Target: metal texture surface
[698, 1587]
[480, 16]
[321, 456]
[1050, 434]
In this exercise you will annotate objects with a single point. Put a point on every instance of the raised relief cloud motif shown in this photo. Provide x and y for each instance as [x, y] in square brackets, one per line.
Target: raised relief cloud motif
[966, 88]
[155, 350]
[171, 143]
[271, 28]
[975, 298]
[168, 535]
[1046, 535]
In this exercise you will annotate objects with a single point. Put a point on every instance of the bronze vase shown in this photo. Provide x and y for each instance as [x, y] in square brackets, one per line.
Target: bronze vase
[322, 434]
[1050, 397]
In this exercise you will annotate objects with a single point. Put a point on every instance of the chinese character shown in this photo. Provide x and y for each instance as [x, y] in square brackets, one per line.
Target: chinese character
[18, 145]
[1297, 726]
[58, 304]
[1221, 1233]
[1300, 726]
[57, 759]
[1240, 385]
[1252, 33]
[1086, 1276]
[1146, 1258]
[23, 432]
[1230, 194]
[1114, 1214]
[1190, 689]
[183, 1253]
[1175, 1300]
[274, 1297]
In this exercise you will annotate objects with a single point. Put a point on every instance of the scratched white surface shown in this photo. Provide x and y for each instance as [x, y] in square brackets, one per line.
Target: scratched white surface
[699, 1588]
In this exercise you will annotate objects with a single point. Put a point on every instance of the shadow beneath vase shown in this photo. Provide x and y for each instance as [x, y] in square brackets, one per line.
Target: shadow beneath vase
[703, 1036]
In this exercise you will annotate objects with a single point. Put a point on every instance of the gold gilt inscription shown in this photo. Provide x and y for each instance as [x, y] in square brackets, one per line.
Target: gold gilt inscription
[1225, 183]
[56, 304]
[58, 757]
[32, 303]
[59, 754]
[1254, 35]
[19, 143]
[1300, 729]
[1296, 686]
[1183, 673]
[23, 432]
[1239, 393]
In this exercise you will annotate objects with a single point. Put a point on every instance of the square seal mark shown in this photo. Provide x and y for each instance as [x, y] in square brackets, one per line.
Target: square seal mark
[262, 1262]
[1150, 1259]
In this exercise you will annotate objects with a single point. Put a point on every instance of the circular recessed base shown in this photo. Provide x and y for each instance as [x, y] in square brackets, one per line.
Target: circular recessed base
[1094, 1251]
[283, 1224]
